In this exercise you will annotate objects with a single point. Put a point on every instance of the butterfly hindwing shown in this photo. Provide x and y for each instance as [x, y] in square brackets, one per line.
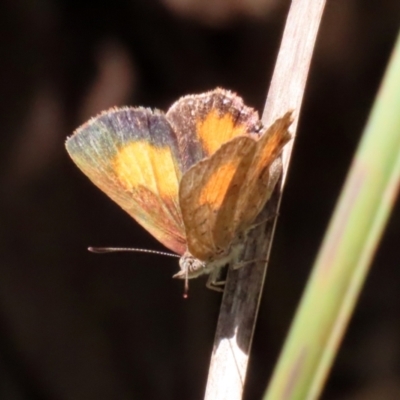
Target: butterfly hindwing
[208, 194]
[264, 172]
[223, 194]
[132, 155]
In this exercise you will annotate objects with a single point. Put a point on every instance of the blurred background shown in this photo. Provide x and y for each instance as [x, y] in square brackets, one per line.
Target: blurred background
[75, 325]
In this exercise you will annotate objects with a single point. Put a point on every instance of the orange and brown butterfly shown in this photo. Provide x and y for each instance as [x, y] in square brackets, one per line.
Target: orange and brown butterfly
[196, 177]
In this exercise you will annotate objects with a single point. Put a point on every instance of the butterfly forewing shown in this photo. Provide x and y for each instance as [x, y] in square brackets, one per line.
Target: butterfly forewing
[132, 155]
[205, 121]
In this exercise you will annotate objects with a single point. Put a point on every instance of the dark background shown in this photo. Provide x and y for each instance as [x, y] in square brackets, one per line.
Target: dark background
[75, 325]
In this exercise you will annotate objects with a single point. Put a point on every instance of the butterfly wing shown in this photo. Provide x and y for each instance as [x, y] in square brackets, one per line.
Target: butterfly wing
[208, 194]
[205, 121]
[263, 173]
[132, 155]
[223, 194]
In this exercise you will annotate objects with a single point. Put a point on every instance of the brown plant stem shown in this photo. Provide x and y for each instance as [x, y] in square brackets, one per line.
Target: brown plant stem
[243, 287]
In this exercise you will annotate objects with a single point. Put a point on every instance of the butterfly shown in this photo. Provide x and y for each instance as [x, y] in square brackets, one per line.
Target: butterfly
[195, 177]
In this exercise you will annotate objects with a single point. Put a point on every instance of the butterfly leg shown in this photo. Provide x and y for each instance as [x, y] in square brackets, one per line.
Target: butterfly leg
[214, 281]
[242, 264]
[258, 223]
[238, 253]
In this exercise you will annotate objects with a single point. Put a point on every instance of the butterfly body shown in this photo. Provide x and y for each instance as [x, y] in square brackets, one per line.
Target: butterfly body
[196, 177]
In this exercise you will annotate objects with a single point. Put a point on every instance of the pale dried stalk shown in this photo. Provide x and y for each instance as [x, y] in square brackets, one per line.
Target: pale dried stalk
[243, 288]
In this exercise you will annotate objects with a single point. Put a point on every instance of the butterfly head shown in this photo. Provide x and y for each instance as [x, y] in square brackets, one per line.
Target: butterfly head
[191, 267]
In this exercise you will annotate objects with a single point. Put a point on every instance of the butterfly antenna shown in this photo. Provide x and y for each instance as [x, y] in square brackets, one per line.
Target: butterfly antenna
[101, 250]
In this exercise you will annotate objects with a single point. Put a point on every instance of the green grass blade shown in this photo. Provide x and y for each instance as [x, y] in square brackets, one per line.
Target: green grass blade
[347, 250]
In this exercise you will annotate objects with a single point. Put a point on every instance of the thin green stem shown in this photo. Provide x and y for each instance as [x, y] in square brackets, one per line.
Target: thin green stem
[347, 250]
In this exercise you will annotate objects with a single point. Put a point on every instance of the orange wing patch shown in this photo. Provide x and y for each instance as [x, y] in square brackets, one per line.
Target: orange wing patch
[138, 164]
[220, 180]
[226, 125]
